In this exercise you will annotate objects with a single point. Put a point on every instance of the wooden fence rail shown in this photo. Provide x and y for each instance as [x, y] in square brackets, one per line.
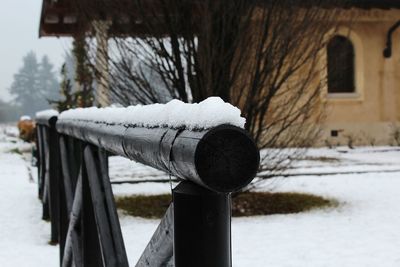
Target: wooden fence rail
[77, 196]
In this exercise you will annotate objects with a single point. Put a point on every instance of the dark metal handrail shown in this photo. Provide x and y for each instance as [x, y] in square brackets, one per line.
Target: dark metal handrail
[196, 228]
[223, 158]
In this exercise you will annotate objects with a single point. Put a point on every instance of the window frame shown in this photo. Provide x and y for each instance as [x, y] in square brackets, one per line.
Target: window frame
[345, 67]
[358, 94]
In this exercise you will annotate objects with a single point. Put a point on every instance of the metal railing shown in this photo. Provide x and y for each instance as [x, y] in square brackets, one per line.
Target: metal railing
[48, 176]
[77, 196]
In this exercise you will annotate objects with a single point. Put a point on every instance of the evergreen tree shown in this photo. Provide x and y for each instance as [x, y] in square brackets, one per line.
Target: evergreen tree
[25, 87]
[76, 68]
[83, 73]
[68, 99]
[70, 66]
[34, 84]
[47, 81]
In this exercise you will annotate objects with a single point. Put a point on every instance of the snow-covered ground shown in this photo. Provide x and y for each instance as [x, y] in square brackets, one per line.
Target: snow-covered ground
[362, 231]
[23, 235]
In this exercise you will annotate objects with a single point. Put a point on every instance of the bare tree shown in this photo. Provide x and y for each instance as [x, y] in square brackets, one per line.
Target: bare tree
[262, 56]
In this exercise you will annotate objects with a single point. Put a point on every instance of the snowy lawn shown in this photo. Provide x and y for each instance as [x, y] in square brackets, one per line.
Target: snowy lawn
[23, 235]
[363, 231]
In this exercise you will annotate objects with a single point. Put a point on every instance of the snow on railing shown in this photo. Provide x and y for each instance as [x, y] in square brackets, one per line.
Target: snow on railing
[175, 114]
[46, 117]
[46, 113]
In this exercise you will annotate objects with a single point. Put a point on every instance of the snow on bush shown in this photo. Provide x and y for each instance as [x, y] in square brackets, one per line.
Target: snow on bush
[25, 118]
[175, 114]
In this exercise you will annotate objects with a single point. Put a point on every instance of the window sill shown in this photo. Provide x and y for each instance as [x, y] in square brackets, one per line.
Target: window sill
[344, 96]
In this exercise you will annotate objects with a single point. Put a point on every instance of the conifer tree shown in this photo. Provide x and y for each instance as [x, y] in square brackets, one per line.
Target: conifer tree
[25, 87]
[79, 94]
[47, 82]
[33, 85]
[83, 73]
[68, 99]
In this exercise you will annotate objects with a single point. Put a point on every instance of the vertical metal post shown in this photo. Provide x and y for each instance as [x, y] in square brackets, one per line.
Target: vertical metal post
[104, 213]
[202, 227]
[54, 178]
[38, 156]
[91, 249]
[65, 197]
[63, 221]
[119, 246]
[74, 147]
[42, 166]
[45, 183]
[70, 154]
[159, 251]
[73, 244]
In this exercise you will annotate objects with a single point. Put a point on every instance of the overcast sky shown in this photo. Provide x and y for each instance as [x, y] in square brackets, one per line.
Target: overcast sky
[19, 27]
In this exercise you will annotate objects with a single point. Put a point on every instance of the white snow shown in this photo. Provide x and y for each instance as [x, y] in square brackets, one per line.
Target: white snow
[23, 235]
[122, 169]
[175, 114]
[362, 232]
[8, 130]
[46, 113]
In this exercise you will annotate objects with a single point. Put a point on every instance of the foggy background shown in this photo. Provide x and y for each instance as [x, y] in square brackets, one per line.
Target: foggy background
[19, 28]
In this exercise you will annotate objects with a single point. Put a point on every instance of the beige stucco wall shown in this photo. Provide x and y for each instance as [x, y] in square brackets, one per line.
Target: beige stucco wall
[369, 115]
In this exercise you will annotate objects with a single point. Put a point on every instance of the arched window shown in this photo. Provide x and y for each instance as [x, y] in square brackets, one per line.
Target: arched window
[340, 65]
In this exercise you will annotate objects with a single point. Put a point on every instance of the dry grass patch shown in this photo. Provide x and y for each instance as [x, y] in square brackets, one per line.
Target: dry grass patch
[264, 203]
[144, 206]
[244, 204]
[321, 159]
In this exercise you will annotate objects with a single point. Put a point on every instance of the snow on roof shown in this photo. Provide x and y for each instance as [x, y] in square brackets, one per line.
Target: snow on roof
[44, 114]
[175, 114]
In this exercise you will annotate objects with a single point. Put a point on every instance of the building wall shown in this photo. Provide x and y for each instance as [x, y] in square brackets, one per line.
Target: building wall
[372, 113]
